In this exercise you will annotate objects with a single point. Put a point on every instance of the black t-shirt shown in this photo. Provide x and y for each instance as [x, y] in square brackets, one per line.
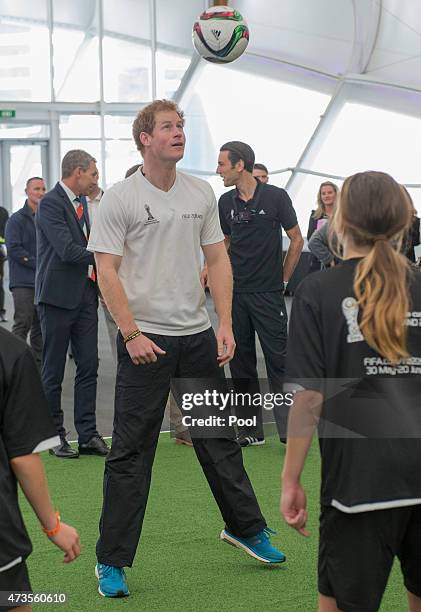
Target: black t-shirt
[371, 418]
[256, 246]
[25, 427]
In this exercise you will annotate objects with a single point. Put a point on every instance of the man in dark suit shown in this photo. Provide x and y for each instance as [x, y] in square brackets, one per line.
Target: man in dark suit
[4, 215]
[67, 297]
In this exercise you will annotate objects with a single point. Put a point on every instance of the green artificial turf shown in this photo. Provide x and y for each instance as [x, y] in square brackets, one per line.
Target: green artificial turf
[181, 564]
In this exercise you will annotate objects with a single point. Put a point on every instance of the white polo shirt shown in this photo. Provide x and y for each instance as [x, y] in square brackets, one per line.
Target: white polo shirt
[158, 234]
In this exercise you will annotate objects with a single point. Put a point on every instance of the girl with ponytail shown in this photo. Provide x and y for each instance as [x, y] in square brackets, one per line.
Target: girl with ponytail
[354, 354]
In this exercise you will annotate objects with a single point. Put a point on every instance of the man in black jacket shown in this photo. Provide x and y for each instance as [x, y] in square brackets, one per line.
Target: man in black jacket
[21, 249]
[4, 215]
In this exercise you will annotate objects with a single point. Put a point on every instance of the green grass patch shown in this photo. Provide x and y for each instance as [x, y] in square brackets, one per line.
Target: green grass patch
[180, 563]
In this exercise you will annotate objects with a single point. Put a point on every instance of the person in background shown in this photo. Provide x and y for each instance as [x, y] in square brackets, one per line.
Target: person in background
[4, 215]
[93, 198]
[360, 322]
[252, 216]
[21, 243]
[413, 237]
[261, 173]
[326, 200]
[66, 293]
[320, 246]
[26, 429]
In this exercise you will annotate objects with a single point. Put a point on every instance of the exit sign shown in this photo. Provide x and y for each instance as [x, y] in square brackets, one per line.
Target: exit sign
[7, 114]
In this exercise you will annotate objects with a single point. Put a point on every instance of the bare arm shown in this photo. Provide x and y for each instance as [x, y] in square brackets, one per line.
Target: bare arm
[302, 422]
[141, 349]
[294, 251]
[113, 292]
[204, 276]
[220, 279]
[30, 474]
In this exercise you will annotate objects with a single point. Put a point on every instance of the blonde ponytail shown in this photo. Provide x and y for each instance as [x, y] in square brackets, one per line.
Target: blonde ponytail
[381, 289]
[375, 212]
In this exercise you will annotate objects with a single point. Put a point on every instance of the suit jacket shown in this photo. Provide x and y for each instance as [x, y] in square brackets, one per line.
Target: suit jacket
[62, 256]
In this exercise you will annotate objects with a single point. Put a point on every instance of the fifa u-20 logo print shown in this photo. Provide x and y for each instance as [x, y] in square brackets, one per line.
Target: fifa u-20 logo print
[350, 309]
[151, 219]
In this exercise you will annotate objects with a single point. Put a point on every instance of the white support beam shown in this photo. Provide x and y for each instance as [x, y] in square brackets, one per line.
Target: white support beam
[153, 34]
[313, 146]
[192, 72]
[54, 170]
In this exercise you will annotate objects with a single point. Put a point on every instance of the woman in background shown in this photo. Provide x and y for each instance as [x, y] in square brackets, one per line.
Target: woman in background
[326, 200]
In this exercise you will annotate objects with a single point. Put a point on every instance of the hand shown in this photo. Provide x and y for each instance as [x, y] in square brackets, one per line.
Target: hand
[226, 344]
[204, 277]
[68, 540]
[142, 350]
[293, 507]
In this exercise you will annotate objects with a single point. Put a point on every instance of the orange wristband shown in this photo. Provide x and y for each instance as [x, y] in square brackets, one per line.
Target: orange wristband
[54, 531]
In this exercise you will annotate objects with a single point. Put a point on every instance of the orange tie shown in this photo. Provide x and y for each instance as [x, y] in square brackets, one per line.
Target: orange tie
[79, 212]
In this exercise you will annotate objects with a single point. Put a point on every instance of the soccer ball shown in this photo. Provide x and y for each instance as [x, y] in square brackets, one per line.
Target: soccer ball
[220, 35]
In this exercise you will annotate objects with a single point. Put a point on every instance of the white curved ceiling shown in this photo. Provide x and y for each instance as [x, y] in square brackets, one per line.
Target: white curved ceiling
[375, 40]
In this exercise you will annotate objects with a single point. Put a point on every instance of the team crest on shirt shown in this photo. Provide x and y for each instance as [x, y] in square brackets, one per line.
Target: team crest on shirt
[350, 309]
[151, 219]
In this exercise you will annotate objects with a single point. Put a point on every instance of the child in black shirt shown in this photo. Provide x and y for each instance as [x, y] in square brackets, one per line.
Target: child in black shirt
[26, 429]
[355, 348]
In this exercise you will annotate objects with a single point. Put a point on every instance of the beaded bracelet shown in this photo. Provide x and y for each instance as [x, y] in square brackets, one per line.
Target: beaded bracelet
[54, 530]
[132, 335]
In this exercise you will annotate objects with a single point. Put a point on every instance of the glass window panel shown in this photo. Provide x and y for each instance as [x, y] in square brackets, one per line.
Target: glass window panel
[93, 147]
[126, 51]
[8, 130]
[170, 69]
[275, 118]
[127, 18]
[279, 180]
[24, 59]
[25, 161]
[76, 55]
[368, 138]
[127, 71]
[80, 126]
[306, 198]
[174, 22]
[118, 126]
[120, 156]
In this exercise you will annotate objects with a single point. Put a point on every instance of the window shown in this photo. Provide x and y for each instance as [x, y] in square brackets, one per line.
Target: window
[126, 51]
[367, 138]
[24, 59]
[275, 118]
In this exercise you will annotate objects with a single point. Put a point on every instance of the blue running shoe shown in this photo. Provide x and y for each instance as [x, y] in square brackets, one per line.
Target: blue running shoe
[112, 581]
[258, 546]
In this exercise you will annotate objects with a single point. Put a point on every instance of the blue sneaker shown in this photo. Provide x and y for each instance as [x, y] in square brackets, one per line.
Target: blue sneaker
[112, 581]
[258, 546]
